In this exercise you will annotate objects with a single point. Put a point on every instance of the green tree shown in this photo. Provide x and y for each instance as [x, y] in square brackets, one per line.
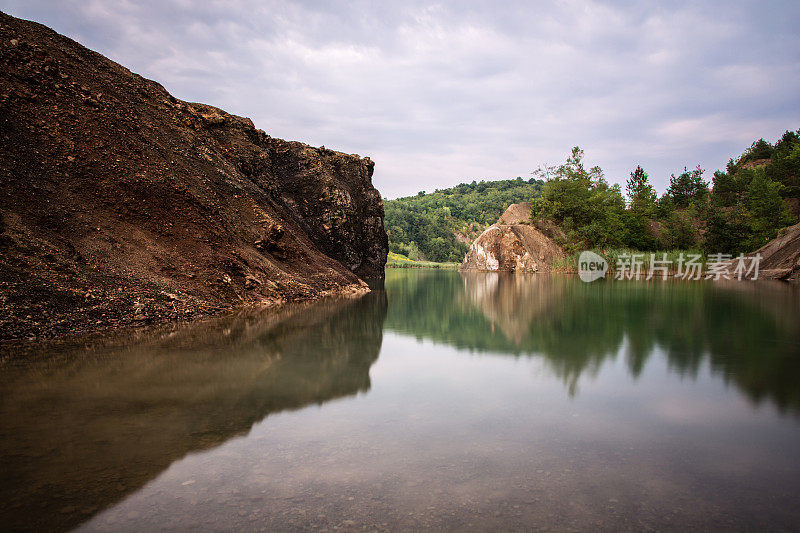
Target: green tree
[767, 213]
[664, 206]
[726, 231]
[588, 209]
[641, 208]
[678, 232]
[760, 149]
[725, 191]
[439, 250]
[641, 195]
[784, 166]
[688, 188]
[414, 253]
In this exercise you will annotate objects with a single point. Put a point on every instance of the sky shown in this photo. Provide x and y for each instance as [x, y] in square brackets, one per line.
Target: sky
[441, 93]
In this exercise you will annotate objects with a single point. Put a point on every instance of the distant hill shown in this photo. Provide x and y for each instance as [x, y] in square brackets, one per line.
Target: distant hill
[439, 226]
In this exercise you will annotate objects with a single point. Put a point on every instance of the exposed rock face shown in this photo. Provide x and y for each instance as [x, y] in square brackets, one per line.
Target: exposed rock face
[506, 248]
[510, 246]
[120, 203]
[780, 258]
[339, 208]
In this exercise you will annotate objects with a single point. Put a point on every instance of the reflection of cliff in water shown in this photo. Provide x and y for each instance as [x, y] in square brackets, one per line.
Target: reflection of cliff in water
[748, 333]
[82, 429]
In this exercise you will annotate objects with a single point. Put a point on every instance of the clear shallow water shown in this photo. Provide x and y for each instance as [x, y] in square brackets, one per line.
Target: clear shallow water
[444, 401]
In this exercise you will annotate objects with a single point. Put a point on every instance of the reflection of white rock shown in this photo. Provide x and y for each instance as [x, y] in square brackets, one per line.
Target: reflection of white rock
[480, 287]
[512, 302]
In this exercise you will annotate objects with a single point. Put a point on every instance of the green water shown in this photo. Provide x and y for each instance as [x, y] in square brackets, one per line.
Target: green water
[442, 401]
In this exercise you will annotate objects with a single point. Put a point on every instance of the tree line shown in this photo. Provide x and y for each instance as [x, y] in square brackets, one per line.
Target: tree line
[740, 210]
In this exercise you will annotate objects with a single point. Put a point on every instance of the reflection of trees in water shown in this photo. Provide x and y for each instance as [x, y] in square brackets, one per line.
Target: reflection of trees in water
[81, 429]
[749, 334]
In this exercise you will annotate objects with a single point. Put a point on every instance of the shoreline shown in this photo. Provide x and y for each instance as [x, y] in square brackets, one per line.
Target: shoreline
[162, 317]
[431, 266]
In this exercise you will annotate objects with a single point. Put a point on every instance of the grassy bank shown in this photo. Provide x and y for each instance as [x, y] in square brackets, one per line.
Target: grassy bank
[570, 263]
[400, 261]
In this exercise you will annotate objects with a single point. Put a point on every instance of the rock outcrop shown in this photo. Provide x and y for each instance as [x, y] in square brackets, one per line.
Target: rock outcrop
[122, 204]
[780, 258]
[511, 246]
[516, 214]
[337, 205]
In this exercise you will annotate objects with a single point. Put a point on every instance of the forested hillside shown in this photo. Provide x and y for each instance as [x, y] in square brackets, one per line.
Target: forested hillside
[439, 226]
[756, 195]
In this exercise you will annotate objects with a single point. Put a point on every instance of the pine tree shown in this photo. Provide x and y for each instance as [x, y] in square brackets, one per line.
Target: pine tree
[766, 210]
[641, 195]
[688, 188]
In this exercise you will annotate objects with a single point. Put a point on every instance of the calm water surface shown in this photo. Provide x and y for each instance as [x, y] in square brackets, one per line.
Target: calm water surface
[444, 401]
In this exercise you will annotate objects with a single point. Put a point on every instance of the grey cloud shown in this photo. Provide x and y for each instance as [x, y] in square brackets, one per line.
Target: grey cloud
[438, 93]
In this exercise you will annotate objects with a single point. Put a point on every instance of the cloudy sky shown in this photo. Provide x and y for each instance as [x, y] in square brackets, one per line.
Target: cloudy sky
[440, 93]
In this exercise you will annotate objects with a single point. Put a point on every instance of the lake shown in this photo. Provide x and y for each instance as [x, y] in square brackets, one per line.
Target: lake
[438, 401]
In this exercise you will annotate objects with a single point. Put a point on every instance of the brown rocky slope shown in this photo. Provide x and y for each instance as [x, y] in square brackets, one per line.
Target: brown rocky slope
[780, 258]
[122, 204]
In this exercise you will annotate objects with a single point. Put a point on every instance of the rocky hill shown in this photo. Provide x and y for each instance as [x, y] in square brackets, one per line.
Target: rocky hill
[121, 204]
[512, 245]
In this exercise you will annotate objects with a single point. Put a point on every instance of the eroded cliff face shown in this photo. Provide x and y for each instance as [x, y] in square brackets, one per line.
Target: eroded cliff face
[122, 204]
[338, 207]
